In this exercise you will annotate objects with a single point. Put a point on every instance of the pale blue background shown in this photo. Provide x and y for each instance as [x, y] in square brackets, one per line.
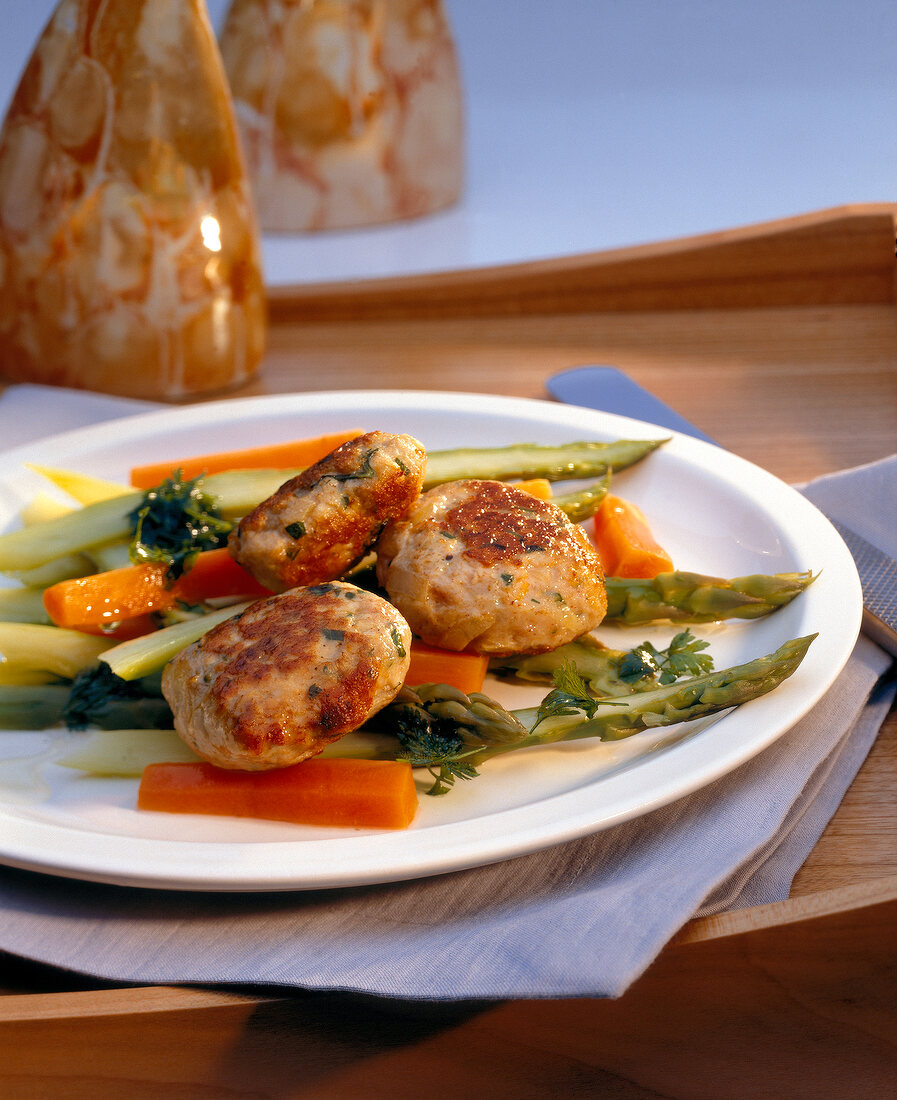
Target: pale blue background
[603, 124]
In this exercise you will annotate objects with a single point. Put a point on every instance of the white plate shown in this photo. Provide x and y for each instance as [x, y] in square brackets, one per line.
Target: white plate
[714, 512]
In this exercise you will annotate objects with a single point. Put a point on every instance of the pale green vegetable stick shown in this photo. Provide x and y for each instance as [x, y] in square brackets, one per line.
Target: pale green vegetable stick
[143, 656]
[32, 647]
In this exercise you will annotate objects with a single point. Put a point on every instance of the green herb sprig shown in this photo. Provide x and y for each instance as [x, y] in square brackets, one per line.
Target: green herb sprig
[176, 521]
[684, 656]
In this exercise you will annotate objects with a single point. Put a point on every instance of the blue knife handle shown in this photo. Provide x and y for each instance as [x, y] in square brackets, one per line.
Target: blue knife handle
[610, 390]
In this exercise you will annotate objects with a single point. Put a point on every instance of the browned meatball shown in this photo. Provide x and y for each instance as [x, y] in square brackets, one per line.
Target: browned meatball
[483, 566]
[278, 683]
[322, 522]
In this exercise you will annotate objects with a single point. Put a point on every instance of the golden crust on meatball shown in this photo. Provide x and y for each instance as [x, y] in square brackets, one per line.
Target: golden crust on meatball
[292, 673]
[483, 566]
[322, 522]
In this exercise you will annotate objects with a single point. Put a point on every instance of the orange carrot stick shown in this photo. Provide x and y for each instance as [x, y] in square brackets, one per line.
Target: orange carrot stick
[536, 487]
[101, 599]
[429, 665]
[215, 574]
[377, 794]
[105, 598]
[624, 541]
[123, 630]
[295, 454]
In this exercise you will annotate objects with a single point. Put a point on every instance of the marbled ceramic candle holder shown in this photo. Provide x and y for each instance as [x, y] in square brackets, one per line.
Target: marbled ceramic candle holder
[350, 111]
[129, 258]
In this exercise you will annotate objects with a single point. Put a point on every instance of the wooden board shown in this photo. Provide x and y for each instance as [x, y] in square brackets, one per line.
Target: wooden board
[798, 1010]
[796, 998]
[843, 255]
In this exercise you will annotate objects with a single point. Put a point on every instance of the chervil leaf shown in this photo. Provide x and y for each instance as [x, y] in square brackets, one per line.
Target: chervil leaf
[567, 679]
[428, 743]
[640, 663]
[569, 695]
[685, 657]
[682, 657]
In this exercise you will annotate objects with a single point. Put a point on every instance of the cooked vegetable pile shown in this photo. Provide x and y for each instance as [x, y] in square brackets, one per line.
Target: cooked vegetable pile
[230, 623]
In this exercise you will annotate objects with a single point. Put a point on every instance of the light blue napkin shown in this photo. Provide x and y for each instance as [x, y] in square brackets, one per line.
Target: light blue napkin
[581, 919]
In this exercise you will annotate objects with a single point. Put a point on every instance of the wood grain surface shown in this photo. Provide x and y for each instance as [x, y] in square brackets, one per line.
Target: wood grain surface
[804, 1010]
[827, 257]
[797, 999]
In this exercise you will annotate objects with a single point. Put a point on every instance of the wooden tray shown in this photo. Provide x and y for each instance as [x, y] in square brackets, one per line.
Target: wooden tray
[831, 257]
[780, 341]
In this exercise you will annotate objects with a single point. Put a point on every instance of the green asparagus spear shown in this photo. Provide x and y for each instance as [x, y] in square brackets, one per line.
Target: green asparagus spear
[695, 598]
[583, 503]
[612, 672]
[451, 734]
[681, 701]
[529, 460]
